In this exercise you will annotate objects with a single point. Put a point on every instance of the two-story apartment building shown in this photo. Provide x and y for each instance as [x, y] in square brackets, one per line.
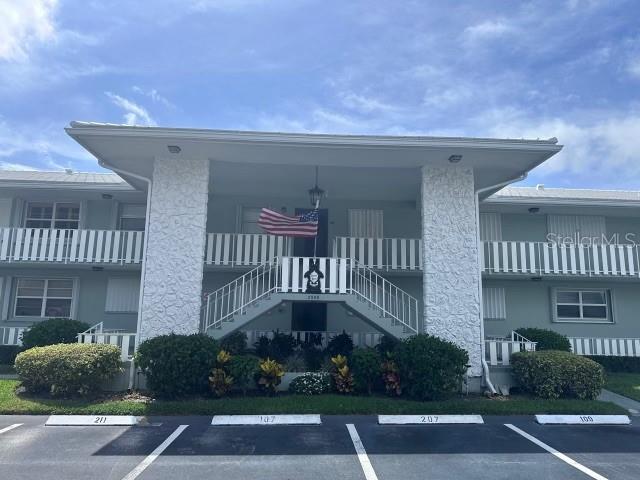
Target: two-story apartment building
[416, 234]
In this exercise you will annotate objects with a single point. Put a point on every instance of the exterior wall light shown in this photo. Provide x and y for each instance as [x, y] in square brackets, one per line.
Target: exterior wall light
[107, 196]
[174, 148]
[455, 158]
[316, 193]
[534, 210]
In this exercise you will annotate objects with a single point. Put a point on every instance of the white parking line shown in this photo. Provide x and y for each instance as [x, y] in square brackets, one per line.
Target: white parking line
[10, 427]
[155, 454]
[556, 453]
[367, 468]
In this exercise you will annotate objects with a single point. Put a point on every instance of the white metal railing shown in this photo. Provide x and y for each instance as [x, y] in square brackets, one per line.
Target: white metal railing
[70, 246]
[617, 347]
[384, 296]
[244, 249]
[339, 276]
[381, 253]
[11, 335]
[360, 339]
[540, 258]
[234, 297]
[498, 351]
[124, 341]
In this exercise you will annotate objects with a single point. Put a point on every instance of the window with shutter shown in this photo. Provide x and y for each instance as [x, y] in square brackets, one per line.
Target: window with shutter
[122, 295]
[366, 223]
[494, 303]
[490, 227]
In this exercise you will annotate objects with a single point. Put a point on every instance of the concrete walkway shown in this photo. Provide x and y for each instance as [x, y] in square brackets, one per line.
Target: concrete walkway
[631, 405]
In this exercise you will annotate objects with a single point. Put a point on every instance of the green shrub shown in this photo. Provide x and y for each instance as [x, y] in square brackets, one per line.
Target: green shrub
[387, 345]
[177, 365]
[617, 364]
[554, 374]
[296, 363]
[235, 343]
[68, 369]
[340, 345]
[8, 353]
[365, 364]
[313, 357]
[243, 369]
[52, 332]
[311, 383]
[547, 339]
[278, 348]
[430, 368]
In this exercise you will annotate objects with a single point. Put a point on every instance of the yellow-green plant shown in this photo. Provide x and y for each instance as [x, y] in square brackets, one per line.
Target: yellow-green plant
[342, 376]
[270, 376]
[220, 381]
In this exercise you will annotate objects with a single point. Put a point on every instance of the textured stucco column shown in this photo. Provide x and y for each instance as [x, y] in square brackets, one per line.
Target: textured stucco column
[172, 290]
[451, 277]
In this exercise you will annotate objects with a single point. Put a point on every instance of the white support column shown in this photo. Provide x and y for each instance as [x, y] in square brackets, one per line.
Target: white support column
[451, 277]
[174, 258]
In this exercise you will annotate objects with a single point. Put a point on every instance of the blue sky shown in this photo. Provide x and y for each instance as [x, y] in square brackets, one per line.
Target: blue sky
[535, 69]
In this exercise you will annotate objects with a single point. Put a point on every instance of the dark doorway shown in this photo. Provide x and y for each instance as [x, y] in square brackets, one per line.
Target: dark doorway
[311, 316]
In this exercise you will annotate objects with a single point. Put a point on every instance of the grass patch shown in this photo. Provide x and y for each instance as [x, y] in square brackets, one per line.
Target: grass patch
[627, 384]
[12, 403]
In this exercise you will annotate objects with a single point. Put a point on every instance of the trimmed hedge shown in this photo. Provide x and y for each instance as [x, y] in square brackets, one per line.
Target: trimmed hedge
[68, 369]
[366, 367]
[547, 339]
[617, 364]
[52, 332]
[8, 353]
[177, 365]
[554, 374]
[430, 368]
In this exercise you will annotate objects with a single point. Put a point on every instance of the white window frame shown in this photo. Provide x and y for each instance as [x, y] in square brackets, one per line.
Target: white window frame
[122, 215]
[608, 296]
[74, 297]
[52, 222]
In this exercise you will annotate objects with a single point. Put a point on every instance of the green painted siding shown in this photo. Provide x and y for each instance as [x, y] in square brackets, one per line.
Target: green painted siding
[529, 304]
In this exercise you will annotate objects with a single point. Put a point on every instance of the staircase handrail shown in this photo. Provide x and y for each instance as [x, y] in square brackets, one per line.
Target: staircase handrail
[363, 282]
[264, 275]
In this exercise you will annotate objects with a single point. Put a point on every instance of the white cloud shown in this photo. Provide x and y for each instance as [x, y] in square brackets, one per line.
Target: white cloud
[134, 114]
[153, 95]
[25, 23]
[364, 103]
[40, 143]
[599, 149]
[488, 29]
[633, 67]
[16, 167]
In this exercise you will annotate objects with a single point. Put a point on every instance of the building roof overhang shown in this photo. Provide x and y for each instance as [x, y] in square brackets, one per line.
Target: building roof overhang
[133, 149]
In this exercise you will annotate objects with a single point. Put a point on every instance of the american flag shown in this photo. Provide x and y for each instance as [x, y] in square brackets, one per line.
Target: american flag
[305, 225]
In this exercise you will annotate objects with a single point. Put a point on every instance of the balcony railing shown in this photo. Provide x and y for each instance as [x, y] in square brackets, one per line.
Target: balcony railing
[381, 253]
[244, 249]
[23, 245]
[539, 258]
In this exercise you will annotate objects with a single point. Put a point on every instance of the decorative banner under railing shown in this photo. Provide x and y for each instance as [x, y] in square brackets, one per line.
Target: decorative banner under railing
[314, 276]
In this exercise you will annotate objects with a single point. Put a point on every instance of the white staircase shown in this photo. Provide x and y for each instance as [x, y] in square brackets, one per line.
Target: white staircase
[360, 289]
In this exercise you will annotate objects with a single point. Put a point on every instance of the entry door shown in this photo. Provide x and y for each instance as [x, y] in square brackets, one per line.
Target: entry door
[311, 316]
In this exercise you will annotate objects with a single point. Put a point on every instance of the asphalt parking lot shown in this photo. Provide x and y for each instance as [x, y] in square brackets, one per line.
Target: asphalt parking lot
[342, 447]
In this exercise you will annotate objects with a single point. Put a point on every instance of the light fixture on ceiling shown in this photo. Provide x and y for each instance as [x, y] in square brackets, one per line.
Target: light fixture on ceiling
[107, 196]
[455, 158]
[534, 210]
[174, 148]
[316, 193]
